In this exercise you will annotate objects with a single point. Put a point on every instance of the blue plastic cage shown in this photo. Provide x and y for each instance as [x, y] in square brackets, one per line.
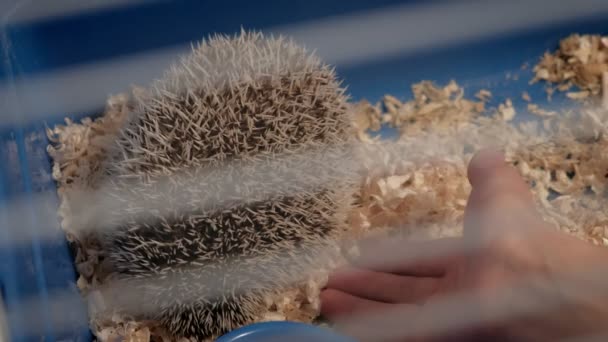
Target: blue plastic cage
[35, 270]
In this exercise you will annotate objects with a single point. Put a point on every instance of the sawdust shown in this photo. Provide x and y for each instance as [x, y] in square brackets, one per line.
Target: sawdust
[432, 108]
[564, 158]
[506, 111]
[536, 110]
[78, 151]
[579, 61]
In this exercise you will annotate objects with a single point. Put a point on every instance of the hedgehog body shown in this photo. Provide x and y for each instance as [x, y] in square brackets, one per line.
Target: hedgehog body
[229, 109]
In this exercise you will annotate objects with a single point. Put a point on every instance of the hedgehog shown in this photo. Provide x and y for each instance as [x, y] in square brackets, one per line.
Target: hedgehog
[249, 109]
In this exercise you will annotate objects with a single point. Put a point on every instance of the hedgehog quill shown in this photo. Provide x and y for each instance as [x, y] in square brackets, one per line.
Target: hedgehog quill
[232, 101]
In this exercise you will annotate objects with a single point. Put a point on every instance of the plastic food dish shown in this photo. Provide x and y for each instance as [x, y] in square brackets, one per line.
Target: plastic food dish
[283, 331]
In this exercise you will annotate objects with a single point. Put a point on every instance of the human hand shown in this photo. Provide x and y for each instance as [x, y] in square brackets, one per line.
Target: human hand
[511, 276]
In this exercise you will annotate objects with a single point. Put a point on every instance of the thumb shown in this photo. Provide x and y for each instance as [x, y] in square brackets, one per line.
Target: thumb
[500, 199]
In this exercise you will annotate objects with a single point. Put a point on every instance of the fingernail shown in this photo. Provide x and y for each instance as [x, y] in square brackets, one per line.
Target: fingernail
[488, 158]
[485, 161]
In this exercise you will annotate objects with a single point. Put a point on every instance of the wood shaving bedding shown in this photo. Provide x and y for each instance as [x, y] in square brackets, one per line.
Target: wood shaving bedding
[423, 194]
[366, 118]
[564, 158]
[536, 110]
[484, 95]
[78, 151]
[506, 110]
[431, 106]
[580, 61]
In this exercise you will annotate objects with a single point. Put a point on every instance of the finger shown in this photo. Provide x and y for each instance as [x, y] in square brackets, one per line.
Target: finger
[428, 258]
[443, 317]
[383, 287]
[484, 162]
[500, 200]
[490, 175]
[363, 319]
[337, 305]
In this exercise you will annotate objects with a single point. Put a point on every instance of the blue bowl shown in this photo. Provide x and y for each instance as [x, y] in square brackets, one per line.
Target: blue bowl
[283, 331]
